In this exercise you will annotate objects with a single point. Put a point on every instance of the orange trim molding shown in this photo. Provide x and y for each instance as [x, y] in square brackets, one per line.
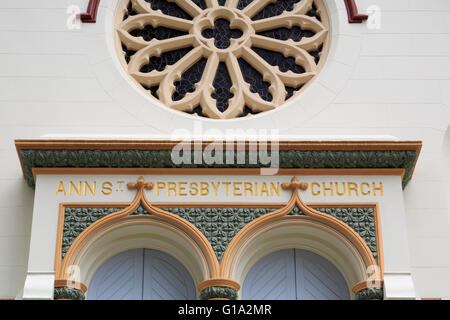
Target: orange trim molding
[38, 154]
[366, 285]
[70, 284]
[111, 144]
[219, 283]
[219, 171]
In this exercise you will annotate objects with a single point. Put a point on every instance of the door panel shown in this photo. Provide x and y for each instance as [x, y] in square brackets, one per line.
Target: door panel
[165, 278]
[318, 279]
[294, 274]
[142, 274]
[119, 278]
[271, 278]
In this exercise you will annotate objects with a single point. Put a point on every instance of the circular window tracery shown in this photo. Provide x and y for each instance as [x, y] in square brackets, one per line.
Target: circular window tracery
[222, 59]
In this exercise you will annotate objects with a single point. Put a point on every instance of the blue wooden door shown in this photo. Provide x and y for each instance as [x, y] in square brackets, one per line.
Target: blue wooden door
[165, 278]
[119, 278]
[294, 275]
[142, 274]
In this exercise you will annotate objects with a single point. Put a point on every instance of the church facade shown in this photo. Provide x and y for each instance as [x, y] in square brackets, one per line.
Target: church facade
[225, 149]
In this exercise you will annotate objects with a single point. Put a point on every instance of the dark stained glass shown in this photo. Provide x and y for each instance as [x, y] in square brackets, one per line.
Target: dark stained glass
[128, 53]
[169, 8]
[188, 80]
[277, 59]
[153, 90]
[295, 33]
[291, 91]
[243, 3]
[247, 111]
[222, 85]
[255, 79]
[130, 11]
[160, 33]
[314, 12]
[200, 3]
[166, 58]
[316, 54]
[198, 111]
[222, 33]
[275, 9]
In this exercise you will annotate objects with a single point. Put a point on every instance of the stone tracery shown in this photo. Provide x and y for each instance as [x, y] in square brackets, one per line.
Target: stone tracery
[222, 59]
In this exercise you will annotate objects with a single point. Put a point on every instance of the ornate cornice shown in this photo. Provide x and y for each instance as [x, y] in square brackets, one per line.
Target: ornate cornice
[156, 154]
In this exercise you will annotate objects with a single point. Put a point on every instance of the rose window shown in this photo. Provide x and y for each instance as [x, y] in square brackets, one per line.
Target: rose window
[222, 59]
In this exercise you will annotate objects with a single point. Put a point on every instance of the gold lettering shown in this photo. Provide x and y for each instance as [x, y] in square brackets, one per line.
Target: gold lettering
[216, 187]
[236, 189]
[375, 189]
[352, 187]
[193, 186]
[313, 192]
[171, 186]
[87, 186]
[181, 188]
[248, 186]
[325, 189]
[73, 187]
[120, 184]
[275, 189]
[60, 188]
[226, 185]
[336, 185]
[204, 188]
[264, 189]
[107, 188]
[159, 186]
[365, 193]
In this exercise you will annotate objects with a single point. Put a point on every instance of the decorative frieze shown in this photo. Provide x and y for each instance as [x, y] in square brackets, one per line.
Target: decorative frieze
[220, 225]
[162, 159]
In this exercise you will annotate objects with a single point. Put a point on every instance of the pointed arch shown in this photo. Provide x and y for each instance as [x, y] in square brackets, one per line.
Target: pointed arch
[120, 231]
[314, 231]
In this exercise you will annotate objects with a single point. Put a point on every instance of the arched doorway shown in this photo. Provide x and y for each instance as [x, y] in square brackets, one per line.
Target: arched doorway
[294, 274]
[142, 274]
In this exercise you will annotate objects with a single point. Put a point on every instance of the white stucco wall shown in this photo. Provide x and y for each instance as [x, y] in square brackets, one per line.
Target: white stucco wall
[390, 81]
